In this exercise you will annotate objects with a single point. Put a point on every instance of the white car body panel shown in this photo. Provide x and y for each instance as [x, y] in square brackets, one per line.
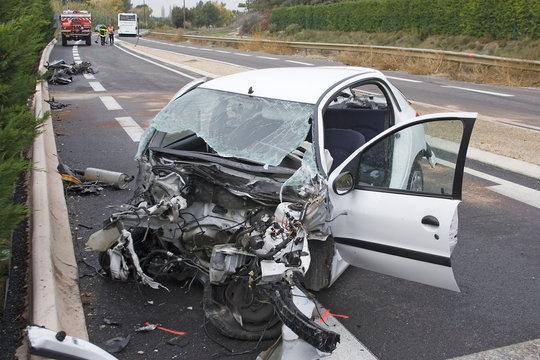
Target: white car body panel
[320, 79]
[394, 220]
[383, 231]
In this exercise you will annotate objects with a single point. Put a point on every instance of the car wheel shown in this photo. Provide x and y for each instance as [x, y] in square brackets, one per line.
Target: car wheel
[416, 178]
[64, 40]
[241, 312]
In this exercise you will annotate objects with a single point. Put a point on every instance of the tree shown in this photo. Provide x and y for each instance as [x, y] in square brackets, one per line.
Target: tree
[143, 13]
[212, 14]
[127, 5]
[177, 16]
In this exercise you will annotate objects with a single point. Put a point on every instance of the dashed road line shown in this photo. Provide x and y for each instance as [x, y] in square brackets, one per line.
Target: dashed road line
[299, 62]
[478, 91]
[130, 127]
[89, 76]
[241, 54]
[110, 103]
[267, 58]
[96, 85]
[403, 79]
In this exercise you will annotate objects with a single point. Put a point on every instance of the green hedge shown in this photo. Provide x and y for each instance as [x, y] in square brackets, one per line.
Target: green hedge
[495, 18]
[26, 26]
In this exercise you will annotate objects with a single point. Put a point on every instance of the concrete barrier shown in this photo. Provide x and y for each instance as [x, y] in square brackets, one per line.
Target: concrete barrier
[55, 296]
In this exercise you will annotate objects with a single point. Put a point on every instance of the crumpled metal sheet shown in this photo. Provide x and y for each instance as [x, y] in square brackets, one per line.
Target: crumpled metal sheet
[62, 72]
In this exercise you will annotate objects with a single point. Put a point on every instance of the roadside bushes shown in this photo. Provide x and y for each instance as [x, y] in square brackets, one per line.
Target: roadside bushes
[494, 18]
[25, 29]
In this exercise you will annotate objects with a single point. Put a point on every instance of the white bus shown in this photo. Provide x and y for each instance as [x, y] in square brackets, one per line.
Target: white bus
[128, 24]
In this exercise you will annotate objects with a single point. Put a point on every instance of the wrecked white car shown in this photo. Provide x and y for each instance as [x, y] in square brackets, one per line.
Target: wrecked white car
[271, 181]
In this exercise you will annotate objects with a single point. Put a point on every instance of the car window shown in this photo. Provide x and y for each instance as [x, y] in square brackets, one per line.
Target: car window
[257, 129]
[419, 158]
[354, 116]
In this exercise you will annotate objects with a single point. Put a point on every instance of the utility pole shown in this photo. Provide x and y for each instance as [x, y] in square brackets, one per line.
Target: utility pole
[184, 10]
[144, 14]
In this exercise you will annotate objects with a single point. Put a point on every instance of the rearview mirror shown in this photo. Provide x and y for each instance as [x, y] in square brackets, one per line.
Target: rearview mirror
[343, 183]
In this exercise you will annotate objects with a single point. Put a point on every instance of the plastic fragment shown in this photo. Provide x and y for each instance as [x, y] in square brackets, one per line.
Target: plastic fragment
[116, 344]
[147, 328]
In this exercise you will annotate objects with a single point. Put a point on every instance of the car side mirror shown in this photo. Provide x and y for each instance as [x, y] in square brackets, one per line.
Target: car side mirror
[343, 183]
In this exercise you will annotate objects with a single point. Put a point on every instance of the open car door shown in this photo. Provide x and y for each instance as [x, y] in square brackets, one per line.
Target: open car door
[395, 199]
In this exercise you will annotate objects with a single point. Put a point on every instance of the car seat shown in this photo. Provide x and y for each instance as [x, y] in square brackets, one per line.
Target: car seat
[341, 143]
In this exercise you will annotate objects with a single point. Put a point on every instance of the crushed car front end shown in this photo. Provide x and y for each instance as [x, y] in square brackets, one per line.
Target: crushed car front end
[228, 192]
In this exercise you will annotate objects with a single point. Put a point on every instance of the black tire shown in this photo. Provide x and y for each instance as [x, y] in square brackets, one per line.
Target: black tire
[64, 40]
[89, 40]
[259, 319]
[416, 178]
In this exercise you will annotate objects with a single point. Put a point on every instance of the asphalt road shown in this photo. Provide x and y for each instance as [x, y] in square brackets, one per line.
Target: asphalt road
[496, 261]
[517, 105]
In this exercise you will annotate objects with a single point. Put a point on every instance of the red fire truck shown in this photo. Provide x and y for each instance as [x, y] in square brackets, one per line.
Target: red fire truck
[76, 25]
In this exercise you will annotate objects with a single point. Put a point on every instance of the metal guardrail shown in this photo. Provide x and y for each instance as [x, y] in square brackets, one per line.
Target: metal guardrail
[460, 57]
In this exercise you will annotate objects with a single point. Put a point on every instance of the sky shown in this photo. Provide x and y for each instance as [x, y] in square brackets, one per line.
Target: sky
[156, 5]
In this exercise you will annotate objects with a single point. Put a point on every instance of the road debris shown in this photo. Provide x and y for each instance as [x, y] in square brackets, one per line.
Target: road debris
[56, 105]
[147, 328]
[115, 179]
[179, 341]
[61, 73]
[92, 180]
[111, 322]
[328, 313]
[116, 344]
[45, 342]
[167, 330]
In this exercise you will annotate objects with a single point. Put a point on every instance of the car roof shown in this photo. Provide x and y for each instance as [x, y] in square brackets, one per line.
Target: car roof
[299, 84]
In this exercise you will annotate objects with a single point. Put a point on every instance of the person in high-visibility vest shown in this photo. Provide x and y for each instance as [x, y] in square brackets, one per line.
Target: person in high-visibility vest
[111, 34]
[103, 34]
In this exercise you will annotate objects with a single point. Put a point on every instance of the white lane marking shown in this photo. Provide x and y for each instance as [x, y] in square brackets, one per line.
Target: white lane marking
[300, 62]
[222, 51]
[506, 188]
[349, 346]
[155, 63]
[110, 103]
[96, 86]
[503, 162]
[267, 58]
[185, 67]
[478, 91]
[509, 189]
[130, 127]
[403, 79]
[525, 350]
[89, 76]
[240, 54]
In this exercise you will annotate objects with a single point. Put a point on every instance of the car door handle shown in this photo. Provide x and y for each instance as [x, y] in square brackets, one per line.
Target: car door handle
[430, 220]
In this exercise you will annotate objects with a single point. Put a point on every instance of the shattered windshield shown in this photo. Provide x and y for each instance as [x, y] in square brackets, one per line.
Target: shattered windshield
[240, 126]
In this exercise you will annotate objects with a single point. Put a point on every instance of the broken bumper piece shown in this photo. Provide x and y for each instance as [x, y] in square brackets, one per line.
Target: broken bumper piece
[322, 339]
[58, 345]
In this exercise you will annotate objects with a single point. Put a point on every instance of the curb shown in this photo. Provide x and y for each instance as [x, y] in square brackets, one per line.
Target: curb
[55, 297]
